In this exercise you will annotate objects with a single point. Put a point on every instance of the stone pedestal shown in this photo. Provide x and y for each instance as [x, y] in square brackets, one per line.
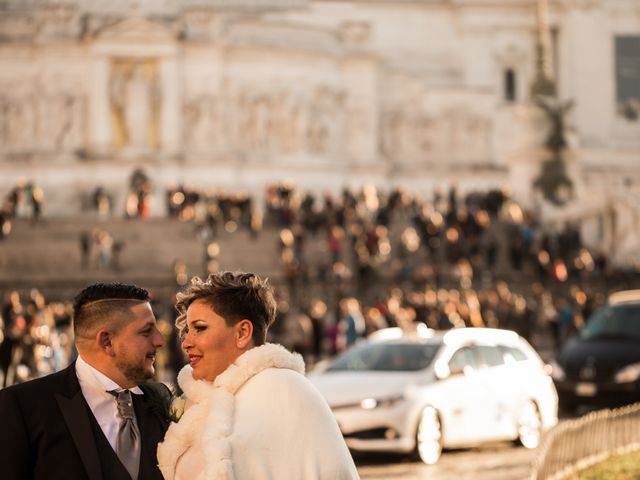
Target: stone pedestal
[523, 130]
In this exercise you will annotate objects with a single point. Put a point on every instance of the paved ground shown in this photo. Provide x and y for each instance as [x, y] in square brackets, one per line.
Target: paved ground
[500, 461]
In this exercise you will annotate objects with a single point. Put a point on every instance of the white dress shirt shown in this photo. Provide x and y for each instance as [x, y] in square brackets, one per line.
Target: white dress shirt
[95, 388]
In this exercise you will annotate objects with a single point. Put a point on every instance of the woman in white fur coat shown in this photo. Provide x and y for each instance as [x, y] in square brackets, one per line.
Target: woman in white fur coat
[250, 413]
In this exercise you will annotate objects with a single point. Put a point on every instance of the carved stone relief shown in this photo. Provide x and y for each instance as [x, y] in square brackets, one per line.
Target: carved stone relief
[17, 121]
[202, 24]
[57, 22]
[410, 135]
[581, 4]
[41, 121]
[249, 119]
[354, 33]
[62, 120]
[201, 132]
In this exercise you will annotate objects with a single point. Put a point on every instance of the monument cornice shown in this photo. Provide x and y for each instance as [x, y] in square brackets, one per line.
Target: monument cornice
[579, 4]
[136, 35]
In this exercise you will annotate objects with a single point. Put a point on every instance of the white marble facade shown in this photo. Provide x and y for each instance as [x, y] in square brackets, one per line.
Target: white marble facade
[236, 94]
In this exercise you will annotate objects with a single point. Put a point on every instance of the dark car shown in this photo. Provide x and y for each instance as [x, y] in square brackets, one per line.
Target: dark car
[601, 365]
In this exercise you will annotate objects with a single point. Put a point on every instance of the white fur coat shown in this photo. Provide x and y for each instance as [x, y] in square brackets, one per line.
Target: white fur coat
[260, 419]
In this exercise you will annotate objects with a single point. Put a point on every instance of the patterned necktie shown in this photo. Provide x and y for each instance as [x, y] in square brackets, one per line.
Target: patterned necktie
[128, 439]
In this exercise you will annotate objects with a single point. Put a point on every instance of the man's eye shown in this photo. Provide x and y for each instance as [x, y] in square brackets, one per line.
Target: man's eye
[146, 333]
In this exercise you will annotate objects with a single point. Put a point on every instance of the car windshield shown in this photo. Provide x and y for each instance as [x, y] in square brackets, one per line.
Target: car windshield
[619, 321]
[386, 357]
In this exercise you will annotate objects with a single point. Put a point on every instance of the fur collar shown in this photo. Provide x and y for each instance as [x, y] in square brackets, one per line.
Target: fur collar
[209, 411]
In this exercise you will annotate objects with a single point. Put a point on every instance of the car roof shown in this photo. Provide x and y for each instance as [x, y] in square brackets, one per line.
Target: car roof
[624, 296]
[419, 332]
[450, 337]
[464, 335]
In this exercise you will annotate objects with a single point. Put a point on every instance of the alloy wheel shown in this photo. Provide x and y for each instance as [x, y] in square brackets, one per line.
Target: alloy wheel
[529, 425]
[429, 436]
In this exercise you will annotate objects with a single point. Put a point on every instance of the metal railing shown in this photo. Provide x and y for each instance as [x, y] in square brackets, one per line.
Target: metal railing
[577, 444]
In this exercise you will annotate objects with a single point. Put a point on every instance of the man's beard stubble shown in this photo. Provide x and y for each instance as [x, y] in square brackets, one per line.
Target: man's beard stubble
[134, 373]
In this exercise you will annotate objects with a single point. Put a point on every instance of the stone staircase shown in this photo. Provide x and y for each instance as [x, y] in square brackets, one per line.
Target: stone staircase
[48, 255]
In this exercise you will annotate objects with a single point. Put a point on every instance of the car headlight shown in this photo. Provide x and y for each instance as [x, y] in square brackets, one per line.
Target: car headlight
[557, 372]
[371, 403]
[628, 374]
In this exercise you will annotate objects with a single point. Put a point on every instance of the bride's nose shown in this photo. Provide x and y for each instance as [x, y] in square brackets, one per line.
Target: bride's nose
[186, 342]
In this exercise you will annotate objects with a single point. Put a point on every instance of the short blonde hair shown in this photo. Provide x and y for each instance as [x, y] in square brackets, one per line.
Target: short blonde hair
[234, 296]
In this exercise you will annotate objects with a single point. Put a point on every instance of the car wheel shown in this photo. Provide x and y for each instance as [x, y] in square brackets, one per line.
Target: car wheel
[429, 436]
[529, 425]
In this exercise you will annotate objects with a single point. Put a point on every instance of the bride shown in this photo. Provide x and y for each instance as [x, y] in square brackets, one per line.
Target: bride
[250, 413]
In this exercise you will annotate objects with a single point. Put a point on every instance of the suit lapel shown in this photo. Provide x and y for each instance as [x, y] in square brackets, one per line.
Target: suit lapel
[76, 415]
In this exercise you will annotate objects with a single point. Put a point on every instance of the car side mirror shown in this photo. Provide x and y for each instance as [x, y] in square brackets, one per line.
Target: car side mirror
[441, 370]
[456, 371]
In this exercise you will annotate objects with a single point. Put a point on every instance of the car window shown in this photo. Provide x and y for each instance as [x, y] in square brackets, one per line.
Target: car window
[386, 357]
[619, 321]
[487, 356]
[513, 353]
[461, 359]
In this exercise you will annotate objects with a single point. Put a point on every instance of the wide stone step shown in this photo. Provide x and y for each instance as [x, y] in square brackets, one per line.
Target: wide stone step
[50, 251]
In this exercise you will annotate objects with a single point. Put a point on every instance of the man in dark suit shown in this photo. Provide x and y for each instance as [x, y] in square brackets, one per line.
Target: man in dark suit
[98, 419]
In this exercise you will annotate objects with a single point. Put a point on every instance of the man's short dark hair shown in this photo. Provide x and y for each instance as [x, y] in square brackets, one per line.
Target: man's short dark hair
[234, 296]
[104, 303]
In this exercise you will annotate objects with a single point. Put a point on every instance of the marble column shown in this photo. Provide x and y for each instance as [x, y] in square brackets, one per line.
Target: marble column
[99, 109]
[587, 78]
[360, 75]
[171, 118]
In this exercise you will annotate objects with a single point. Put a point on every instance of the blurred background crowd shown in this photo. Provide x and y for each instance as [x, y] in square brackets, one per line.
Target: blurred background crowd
[344, 266]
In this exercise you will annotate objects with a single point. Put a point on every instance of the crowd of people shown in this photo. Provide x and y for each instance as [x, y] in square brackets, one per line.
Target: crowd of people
[365, 236]
[36, 335]
[99, 249]
[24, 199]
[35, 338]
[361, 261]
[214, 211]
[404, 238]
[321, 328]
[373, 260]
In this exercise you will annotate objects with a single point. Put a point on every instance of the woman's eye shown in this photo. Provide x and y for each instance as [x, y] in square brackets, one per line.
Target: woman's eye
[199, 328]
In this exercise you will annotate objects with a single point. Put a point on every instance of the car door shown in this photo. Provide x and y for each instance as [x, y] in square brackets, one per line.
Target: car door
[465, 399]
[502, 387]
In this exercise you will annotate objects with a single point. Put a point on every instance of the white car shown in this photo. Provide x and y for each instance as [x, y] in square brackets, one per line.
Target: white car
[432, 390]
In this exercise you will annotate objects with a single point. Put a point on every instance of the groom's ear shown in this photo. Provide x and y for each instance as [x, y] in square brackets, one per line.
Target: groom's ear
[244, 333]
[103, 340]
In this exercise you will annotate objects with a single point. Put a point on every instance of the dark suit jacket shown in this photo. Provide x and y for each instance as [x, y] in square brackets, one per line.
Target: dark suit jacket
[46, 433]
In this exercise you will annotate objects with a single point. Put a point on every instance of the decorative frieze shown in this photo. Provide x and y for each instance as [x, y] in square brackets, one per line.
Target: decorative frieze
[58, 22]
[457, 134]
[33, 120]
[252, 119]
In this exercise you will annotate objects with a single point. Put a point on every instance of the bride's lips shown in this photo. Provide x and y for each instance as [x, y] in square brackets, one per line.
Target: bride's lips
[194, 359]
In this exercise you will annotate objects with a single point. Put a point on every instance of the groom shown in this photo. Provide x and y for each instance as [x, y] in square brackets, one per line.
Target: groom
[97, 419]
